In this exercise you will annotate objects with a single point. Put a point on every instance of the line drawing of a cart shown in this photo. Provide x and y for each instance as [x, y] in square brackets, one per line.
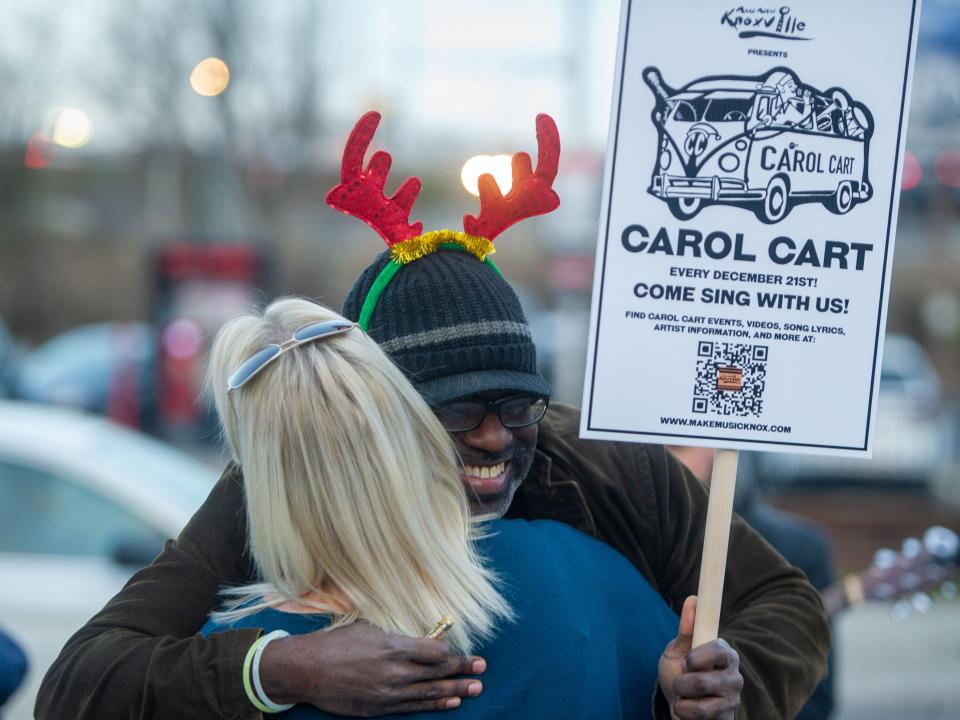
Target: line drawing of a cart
[765, 143]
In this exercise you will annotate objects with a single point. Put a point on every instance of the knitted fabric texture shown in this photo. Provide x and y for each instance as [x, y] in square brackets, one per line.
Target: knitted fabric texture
[453, 325]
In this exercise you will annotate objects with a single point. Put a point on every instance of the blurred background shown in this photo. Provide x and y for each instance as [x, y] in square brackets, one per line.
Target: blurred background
[163, 167]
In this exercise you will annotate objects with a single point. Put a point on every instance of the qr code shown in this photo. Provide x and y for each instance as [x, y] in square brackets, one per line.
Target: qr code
[730, 378]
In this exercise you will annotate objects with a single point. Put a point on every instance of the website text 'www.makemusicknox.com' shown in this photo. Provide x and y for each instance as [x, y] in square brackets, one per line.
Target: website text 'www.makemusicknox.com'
[725, 424]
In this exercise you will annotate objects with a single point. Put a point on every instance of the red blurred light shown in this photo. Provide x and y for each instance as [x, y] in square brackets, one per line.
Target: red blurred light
[571, 272]
[182, 339]
[912, 172]
[946, 167]
[179, 261]
[39, 152]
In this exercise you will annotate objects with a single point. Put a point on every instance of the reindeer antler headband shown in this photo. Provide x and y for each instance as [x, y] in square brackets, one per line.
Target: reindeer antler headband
[360, 193]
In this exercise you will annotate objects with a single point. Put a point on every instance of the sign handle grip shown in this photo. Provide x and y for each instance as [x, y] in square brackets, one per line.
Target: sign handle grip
[716, 538]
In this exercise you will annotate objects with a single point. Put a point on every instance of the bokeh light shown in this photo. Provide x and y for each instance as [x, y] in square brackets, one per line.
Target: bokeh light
[71, 128]
[182, 339]
[496, 165]
[39, 152]
[210, 77]
[946, 167]
[912, 172]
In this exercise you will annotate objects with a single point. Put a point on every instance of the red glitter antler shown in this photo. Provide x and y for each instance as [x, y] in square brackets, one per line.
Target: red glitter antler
[360, 192]
[531, 193]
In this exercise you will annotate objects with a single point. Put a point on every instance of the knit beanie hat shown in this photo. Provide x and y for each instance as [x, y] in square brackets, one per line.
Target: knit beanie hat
[453, 325]
[435, 301]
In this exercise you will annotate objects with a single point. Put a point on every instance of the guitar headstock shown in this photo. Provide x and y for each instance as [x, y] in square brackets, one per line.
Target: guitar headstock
[908, 575]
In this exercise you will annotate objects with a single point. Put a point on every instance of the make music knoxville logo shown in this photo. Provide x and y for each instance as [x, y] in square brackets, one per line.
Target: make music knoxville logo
[771, 22]
[730, 379]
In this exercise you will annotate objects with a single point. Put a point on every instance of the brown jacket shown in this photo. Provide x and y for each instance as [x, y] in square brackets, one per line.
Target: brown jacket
[140, 656]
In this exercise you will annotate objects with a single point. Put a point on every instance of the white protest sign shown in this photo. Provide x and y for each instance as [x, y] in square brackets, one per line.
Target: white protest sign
[748, 219]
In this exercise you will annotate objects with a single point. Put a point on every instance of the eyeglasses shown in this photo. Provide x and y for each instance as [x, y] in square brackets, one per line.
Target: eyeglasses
[249, 368]
[513, 412]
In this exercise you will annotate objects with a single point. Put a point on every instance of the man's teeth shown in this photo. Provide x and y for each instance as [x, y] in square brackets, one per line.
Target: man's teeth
[487, 471]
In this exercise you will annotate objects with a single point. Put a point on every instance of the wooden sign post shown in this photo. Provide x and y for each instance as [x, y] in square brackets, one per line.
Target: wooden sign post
[716, 538]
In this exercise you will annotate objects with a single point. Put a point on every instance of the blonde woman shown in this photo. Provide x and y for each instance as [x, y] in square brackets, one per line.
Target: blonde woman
[356, 513]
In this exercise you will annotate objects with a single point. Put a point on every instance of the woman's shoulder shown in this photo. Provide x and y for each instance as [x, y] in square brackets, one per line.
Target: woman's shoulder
[570, 581]
[540, 531]
[269, 619]
[552, 539]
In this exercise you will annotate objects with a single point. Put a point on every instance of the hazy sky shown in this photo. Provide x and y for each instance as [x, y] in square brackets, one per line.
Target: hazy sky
[441, 69]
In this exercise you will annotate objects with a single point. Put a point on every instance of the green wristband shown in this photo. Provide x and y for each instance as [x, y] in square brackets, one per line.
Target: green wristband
[247, 687]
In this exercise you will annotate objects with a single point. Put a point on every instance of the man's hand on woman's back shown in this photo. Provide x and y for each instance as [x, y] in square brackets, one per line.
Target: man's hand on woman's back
[360, 671]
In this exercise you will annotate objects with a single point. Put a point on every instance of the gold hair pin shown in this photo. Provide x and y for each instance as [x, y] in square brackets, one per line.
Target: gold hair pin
[440, 629]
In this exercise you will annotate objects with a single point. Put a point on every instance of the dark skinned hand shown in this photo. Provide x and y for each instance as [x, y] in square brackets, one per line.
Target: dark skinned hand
[360, 671]
[702, 683]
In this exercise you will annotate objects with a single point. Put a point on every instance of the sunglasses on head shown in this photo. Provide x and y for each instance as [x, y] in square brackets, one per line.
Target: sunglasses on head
[248, 369]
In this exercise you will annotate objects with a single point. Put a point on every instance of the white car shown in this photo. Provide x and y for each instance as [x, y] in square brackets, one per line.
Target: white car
[83, 502]
[912, 434]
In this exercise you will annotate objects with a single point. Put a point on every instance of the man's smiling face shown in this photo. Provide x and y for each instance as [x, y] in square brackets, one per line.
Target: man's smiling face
[494, 460]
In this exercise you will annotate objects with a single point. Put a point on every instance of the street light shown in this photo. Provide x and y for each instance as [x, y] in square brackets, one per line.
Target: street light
[496, 165]
[210, 77]
[71, 128]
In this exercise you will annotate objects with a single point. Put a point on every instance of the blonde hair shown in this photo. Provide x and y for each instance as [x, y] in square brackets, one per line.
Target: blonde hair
[350, 481]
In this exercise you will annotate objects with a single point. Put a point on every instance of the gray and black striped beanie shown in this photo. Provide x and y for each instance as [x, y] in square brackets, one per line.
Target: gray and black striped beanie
[453, 325]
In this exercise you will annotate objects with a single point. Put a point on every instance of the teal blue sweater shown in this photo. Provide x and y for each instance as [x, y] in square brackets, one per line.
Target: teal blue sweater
[588, 633]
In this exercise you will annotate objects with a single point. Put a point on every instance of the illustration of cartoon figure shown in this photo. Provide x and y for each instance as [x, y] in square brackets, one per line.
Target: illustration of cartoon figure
[764, 143]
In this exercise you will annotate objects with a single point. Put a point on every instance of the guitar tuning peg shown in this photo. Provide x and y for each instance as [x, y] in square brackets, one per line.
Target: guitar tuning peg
[941, 542]
[948, 590]
[912, 548]
[885, 558]
[921, 602]
[900, 611]
[884, 591]
[910, 580]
